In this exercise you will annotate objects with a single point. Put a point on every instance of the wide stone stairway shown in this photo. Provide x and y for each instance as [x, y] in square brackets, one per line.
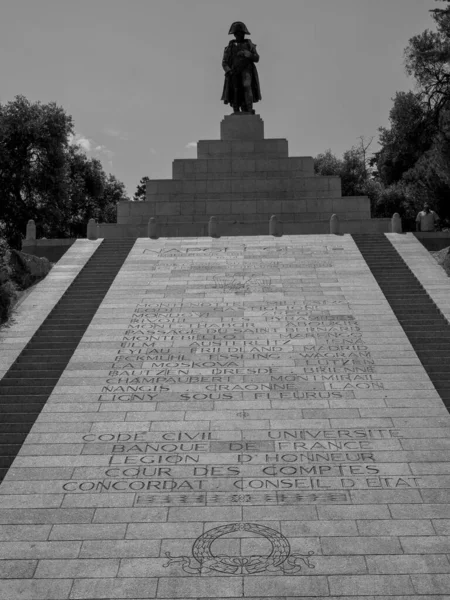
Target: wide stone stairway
[243, 417]
[27, 385]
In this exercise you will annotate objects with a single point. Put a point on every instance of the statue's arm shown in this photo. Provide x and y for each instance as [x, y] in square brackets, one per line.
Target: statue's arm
[226, 59]
[254, 54]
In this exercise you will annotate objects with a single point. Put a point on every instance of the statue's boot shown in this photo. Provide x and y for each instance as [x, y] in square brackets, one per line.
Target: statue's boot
[236, 100]
[249, 101]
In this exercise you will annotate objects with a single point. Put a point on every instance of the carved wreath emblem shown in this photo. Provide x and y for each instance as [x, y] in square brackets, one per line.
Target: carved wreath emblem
[204, 561]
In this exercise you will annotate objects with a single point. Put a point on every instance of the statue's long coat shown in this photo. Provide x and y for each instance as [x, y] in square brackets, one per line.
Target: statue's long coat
[227, 95]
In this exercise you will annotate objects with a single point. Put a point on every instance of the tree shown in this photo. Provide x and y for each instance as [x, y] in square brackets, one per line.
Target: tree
[414, 159]
[366, 159]
[355, 173]
[114, 191]
[410, 135]
[442, 19]
[327, 164]
[353, 168]
[92, 193]
[45, 178]
[33, 174]
[139, 194]
[427, 59]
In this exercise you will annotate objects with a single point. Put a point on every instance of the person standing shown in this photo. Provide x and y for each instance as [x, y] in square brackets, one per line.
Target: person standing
[426, 219]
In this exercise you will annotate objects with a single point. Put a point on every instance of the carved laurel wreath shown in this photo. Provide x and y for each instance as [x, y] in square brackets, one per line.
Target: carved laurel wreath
[279, 559]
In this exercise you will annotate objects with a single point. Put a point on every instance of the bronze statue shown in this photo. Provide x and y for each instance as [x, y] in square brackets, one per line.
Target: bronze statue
[241, 88]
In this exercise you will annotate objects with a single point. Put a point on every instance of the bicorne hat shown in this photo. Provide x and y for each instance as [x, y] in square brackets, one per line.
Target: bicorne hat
[238, 25]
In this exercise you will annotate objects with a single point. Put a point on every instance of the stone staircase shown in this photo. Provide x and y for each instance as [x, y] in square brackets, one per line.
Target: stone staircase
[230, 418]
[25, 388]
[424, 324]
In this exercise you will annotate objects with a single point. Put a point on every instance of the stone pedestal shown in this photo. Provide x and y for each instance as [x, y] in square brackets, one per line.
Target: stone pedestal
[243, 179]
[242, 127]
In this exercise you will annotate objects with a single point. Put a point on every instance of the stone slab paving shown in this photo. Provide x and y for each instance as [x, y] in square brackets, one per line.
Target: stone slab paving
[31, 312]
[244, 418]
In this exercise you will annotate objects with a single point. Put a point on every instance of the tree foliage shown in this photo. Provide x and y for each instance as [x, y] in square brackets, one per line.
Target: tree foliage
[352, 168]
[8, 291]
[408, 138]
[45, 178]
[413, 164]
[414, 159]
[139, 195]
[93, 194]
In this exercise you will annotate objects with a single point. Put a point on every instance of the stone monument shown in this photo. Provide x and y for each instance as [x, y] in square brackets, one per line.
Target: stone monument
[243, 417]
[243, 179]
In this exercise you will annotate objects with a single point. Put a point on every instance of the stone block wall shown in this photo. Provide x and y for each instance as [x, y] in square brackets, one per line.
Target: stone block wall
[271, 148]
[178, 228]
[243, 167]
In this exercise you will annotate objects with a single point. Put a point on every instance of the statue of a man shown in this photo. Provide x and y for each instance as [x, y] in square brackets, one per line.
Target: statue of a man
[241, 88]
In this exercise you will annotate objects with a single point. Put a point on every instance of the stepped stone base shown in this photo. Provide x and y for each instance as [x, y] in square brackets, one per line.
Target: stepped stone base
[244, 178]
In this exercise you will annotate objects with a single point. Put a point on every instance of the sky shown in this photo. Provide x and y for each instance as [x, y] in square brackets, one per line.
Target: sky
[142, 79]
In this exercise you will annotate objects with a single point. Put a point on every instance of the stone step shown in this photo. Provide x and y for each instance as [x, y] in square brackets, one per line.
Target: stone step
[432, 335]
[389, 281]
[44, 354]
[55, 361]
[424, 324]
[407, 296]
[19, 407]
[21, 417]
[60, 314]
[380, 266]
[85, 293]
[398, 287]
[398, 283]
[422, 320]
[32, 373]
[66, 319]
[408, 312]
[413, 301]
[428, 352]
[14, 428]
[417, 330]
[19, 390]
[8, 450]
[12, 438]
[440, 377]
[53, 345]
[56, 333]
[26, 399]
[436, 363]
[85, 301]
[56, 325]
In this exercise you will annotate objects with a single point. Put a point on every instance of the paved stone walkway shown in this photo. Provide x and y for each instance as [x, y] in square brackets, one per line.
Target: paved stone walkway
[244, 418]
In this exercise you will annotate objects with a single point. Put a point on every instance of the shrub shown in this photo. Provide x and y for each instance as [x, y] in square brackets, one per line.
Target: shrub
[8, 291]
